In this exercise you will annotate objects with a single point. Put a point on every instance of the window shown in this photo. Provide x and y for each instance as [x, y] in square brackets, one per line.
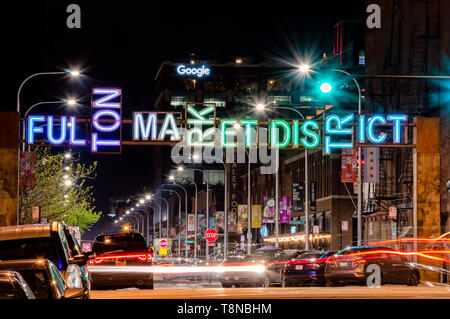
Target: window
[181, 100]
[57, 281]
[279, 99]
[217, 101]
[184, 173]
[214, 176]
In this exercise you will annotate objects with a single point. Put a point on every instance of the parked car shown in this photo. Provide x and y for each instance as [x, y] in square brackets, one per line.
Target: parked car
[349, 266]
[242, 277]
[13, 286]
[43, 278]
[307, 269]
[44, 241]
[116, 250]
[276, 265]
[76, 250]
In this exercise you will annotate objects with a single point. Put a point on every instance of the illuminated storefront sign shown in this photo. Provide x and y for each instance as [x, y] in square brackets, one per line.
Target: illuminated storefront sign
[197, 71]
[332, 133]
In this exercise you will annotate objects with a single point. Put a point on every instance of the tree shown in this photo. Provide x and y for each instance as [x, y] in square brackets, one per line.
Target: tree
[58, 186]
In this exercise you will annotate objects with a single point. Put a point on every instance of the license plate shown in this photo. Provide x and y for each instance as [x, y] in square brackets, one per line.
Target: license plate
[343, 264]
[299, 267]
[121, 263]
[236, 278]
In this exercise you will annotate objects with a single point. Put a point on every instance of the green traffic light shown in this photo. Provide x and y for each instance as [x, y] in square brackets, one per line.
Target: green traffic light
[326, 87]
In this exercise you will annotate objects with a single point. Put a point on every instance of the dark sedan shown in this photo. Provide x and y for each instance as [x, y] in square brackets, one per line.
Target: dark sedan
[350, 266]
[306, 269]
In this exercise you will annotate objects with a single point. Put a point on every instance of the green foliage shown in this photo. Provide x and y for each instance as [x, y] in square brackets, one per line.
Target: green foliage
[61, 193]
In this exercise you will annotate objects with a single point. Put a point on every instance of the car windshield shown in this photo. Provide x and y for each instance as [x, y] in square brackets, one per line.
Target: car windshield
[38, 281]
[30, 248]
[7, 290]
[120, 243]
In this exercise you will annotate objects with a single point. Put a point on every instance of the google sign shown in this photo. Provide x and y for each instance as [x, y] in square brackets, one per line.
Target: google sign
[198, 71]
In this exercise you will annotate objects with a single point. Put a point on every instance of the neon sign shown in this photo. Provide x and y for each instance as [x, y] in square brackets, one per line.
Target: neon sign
[332, 132]
[197, 71]
[106, 103]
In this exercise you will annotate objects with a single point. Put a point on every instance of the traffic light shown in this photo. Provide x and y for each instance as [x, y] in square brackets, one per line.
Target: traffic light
[325, 87]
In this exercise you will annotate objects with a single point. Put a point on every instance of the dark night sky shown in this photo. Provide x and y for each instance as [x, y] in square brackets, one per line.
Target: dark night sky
[122, 43]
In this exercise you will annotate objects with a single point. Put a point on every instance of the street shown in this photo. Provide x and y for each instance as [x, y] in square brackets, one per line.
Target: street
[167, 291]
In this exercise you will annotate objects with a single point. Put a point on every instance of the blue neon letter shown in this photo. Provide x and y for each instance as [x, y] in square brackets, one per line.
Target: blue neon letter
[32, 129]
[370, 134]
[397, 132]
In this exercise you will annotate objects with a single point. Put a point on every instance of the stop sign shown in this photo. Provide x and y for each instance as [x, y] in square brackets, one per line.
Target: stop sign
[163, 243]
[211, 235]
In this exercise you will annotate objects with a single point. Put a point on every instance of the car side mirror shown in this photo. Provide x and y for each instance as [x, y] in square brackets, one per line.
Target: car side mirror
[72, 293]
[79, 260]
[89, 254]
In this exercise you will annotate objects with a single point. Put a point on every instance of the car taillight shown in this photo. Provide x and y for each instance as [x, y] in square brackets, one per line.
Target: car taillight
[359, 261]
[147, 257]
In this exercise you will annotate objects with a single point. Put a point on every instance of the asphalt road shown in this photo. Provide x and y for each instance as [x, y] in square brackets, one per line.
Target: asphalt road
[350, 292]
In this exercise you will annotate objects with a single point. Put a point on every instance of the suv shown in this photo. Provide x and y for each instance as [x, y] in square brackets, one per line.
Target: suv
[116, 250]
[47, 241]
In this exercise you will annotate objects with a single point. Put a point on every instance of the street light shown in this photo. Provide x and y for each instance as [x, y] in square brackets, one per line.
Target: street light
[179, 216]
[186, 208]
[325, 87]
[167, 214]
[306, 187]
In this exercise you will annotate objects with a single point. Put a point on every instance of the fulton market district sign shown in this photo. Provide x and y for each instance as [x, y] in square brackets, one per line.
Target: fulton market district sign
[200, 128]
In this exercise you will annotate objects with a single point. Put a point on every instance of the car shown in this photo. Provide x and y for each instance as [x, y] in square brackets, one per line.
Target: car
[275, 267]
[349, 266]
[306, 269]
[43, 278]
[76, 250]
[116, 250]
[13, 286]
[240, 277]
[43, 241]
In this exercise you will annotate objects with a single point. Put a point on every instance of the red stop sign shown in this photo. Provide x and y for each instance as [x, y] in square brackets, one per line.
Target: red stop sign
[163, 243]
[211, 235]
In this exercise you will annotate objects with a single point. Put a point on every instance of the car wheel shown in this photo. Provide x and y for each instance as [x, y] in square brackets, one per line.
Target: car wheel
[266, 282]
[413, 279]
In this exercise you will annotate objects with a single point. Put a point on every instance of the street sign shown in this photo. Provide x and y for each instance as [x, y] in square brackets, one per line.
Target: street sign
[344, 225]
[163, 243]
[211, 235]
[86, 247]
[36, 213]
[162, 251]
[298, 222]
[393, 212]
[190, 241]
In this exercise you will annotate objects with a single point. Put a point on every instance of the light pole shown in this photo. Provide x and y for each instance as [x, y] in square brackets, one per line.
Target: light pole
[167, 214]
[180, 168]
[360, 161]
[262, 107]
[225, 203]
[249, 207]
[134, 219]
[186, 210]
[196, 215]
[154, 219]
[179, 215]
[148, 220]
[142, 224]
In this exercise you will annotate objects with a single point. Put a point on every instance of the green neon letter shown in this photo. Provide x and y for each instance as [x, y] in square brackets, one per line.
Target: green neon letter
[274, 133]
[248, 131]
[309, 133]
[295, 133]
[225, 132]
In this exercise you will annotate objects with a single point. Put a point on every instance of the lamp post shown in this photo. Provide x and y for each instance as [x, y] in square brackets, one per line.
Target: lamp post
[180, 168]
[179, 215]
[196, 215]
[142, 224]
[262, 107]
[148, 220]
[186, 210]
[225, 231]
[154, 219]
[167, 214]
